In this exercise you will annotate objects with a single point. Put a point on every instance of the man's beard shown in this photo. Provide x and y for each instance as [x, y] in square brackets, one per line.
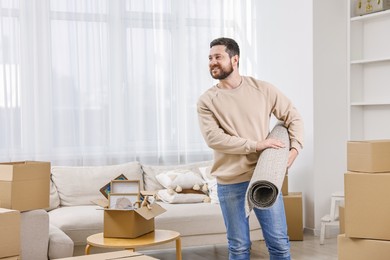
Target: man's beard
[223, 73]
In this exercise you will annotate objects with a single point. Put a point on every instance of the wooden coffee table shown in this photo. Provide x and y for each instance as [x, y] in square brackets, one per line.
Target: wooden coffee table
[153, 238]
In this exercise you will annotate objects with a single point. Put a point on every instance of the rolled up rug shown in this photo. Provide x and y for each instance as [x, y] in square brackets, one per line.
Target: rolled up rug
[269, 173]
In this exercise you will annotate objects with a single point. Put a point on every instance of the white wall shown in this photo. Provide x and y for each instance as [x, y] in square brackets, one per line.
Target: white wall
[302, 52]
[330, 101]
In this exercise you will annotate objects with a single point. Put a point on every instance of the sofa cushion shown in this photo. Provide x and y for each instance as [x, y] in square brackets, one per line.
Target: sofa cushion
[150, 172]
[78, 222]
[60, 245]
[81, 185]
[54, 197]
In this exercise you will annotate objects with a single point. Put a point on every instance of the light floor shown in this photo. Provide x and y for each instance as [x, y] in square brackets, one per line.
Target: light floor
[308, 249]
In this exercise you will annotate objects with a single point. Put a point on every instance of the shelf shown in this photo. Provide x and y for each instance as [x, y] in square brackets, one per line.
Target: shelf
[368, 75]
[366, 61]
[371, 16]
[370, 104]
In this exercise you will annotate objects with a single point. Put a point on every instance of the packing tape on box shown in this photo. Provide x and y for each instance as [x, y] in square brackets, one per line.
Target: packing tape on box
[268, 176]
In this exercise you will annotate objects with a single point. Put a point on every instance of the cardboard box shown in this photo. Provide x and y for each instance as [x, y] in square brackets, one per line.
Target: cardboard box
[342, 219]
[294, 215]
[368, 156]
[9, 233]
[122, 255]
[362, 249]
[16, 257]
[367, 208]
[125, 223]
[285, 186]
[370, 6]
[24, 185]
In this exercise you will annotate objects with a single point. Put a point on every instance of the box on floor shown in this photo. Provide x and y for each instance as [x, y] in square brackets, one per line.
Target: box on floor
[285, 186]
[294, 215]
[367, 210]
[368, 156]
[342, 219]
[9, 233]
[122, 255]
[362, 249]
[25, 185]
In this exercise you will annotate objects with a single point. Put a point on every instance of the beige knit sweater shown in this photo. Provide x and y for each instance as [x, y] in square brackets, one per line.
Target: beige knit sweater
[232, 121]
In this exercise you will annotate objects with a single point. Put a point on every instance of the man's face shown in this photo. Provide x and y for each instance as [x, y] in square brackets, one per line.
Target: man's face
[220, 64]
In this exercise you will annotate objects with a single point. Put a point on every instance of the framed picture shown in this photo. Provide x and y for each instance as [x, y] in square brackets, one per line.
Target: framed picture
[125, 186]
[106, 189]
[123, 201]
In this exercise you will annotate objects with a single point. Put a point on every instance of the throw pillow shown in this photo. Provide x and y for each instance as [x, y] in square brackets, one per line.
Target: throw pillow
[211, 182]
[150, 172]
[180, 179]
[177, 198]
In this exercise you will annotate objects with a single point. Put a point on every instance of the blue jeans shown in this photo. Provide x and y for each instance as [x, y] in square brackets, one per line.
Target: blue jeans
[272, 221]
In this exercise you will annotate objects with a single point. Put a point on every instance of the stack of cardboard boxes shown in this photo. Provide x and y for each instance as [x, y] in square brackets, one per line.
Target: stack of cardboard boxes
[294, 212]
[367, 209]
[24, 186]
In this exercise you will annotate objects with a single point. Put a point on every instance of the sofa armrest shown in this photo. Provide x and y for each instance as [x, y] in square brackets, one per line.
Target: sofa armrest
[60, 245]
[34, 234]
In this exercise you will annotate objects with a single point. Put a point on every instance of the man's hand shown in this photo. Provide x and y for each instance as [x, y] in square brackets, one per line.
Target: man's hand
[291, 157]
[269, 143]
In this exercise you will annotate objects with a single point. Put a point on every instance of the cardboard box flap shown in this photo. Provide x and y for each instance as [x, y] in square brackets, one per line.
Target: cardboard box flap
[148, 193]
[149, 213]
[101, 202]
[369, 146]
[27, 170]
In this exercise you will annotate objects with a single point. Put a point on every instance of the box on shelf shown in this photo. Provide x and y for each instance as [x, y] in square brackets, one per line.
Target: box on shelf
[368, 156]
[294, 215]
[24, 185]
[129, 223]
[370, 6]
[122, 255]
[9, 233]
[367, 212]
[362, 249]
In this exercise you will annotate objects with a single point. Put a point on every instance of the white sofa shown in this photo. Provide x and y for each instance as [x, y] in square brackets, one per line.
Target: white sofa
[72, 211]
[41, 241]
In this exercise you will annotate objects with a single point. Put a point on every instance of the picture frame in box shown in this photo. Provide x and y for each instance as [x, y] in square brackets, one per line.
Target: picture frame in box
[106, 189]
[125, 186]
[123, 201]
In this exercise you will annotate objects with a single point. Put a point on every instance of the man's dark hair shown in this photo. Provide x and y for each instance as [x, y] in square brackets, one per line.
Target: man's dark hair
[231, 45]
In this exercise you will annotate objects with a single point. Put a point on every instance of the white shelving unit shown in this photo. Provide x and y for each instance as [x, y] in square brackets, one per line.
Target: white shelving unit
[368, 75]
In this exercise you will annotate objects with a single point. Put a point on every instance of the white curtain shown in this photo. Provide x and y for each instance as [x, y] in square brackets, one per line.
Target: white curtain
[93, 82]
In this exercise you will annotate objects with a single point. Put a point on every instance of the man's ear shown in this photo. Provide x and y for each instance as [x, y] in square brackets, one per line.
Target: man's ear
[235, 59]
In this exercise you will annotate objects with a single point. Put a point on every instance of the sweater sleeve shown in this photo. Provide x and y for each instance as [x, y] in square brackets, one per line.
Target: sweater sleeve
[283, 109]
[215, 136]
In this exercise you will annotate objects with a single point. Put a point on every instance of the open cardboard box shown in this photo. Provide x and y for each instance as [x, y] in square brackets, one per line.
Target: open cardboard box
[130, 223]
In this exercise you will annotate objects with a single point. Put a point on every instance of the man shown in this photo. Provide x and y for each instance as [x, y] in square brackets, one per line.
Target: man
[234, 118]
